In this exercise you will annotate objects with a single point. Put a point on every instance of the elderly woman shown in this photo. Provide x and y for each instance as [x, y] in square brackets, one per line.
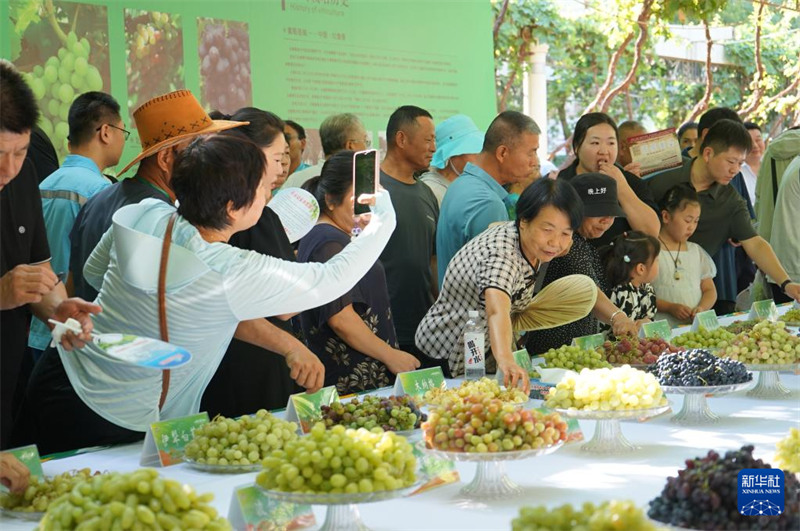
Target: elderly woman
[496, 273]
[595, 142]
[353, 335]
[212, 290]
[598, 193]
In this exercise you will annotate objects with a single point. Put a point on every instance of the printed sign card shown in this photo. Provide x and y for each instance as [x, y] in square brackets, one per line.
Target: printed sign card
[659, 329]
[305, 408]
[251, 509]
[765, 309]
[416, 383]
[438, 471]
[591, 342]
[707, 320]
[656, 151]
[166, 440]
[29, 456]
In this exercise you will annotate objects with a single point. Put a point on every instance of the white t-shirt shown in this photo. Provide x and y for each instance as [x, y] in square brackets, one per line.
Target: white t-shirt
[211, 287]
[750, 179]
[694, 265]
[785, 236]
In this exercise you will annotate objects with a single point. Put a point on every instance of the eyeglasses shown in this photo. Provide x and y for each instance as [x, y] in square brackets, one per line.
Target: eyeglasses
[367, 142]
[125, 132]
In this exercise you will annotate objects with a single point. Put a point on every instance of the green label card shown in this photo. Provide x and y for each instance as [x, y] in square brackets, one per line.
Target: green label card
[436, 470]
[305, 408]
[165, 440]
[29, 456]
[707, 320]
[523, 359]
[765, 309]
[656, 329]
[590, 342]
[251, 509]
[416, 383]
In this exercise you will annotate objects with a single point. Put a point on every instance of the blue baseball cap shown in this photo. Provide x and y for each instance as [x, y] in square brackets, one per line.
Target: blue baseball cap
[458, 135]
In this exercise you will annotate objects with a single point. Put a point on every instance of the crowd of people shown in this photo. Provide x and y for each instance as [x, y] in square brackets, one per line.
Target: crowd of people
[185, 250]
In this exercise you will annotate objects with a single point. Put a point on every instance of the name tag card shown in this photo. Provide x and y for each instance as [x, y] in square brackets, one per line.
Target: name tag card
[539, 389]
[590, 342]
[765, 309]
[438, 471]
[707, 320]
[252, 509]
[305, 409]
[656, 329]
[416, 383]
[166, 440]
[29, 456]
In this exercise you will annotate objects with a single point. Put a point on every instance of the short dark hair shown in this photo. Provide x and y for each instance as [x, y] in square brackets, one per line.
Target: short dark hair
[402, 118]
[629, 124]
[263, 129]
[332, 185]
[506, 129]
[750, 126]
[301, 133]
[19, 112]
[211, 172]
[335, 131]
[726, 134]
[678, 197]
[685, 127]
[89, 111]
[588, 121]
[555, 192]
[627, 251]
[712, 116]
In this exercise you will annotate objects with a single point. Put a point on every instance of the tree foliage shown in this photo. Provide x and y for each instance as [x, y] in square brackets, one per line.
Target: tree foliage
[604, 59]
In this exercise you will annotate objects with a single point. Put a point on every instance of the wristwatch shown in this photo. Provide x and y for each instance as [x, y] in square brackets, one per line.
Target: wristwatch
[784, 284]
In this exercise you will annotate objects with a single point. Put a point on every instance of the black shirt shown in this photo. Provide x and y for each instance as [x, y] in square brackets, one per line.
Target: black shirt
[723, 212]
[94, 219]
[620, 225]
[42, 154]
[23, 240]
[407, 256]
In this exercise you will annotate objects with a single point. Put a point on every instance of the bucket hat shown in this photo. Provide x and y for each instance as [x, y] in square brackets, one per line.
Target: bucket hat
[458, 135]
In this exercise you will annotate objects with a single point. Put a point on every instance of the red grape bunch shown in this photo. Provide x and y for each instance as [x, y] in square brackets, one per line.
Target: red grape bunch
[225, 66]
[633, 350]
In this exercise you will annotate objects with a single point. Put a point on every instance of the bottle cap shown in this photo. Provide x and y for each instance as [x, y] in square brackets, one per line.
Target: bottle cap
[473, 314]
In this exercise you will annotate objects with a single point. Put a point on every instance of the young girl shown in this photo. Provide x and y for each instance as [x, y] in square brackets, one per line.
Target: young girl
[685, 282]
[631, 262]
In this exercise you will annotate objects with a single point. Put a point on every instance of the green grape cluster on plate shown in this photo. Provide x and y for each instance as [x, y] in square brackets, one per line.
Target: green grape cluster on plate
[244, 441]
[620, 388]
[787, 456]
[392, 413]
[704, 338]
[134, 500]
[340, 460]
[606, 516]
[768, 343]
[791, 317]
[574, 358]
[41, 492]
[483, 387]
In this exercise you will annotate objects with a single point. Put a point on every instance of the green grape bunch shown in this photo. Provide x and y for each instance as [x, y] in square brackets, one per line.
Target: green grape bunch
[244, 441]
[483, 387]
[393, 413]
[620, 388]
[42, 492]
[574, 358]
[791, 316]
[704, 338]
[787, 455]
[611, 515]
[766, 343]
[134, 500]
[340, 460]
[57, 83]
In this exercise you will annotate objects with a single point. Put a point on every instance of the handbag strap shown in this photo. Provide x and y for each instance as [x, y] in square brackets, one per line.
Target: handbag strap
[162, 303]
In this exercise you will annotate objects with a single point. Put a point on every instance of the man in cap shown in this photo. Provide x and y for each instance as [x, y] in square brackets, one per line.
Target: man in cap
[166, 124]
[477, 198]
[458, 141]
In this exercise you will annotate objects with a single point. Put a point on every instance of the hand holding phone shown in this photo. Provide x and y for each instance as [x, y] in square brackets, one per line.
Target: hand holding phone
[365, 178]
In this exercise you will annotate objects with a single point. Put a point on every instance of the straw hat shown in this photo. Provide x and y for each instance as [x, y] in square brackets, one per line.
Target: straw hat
[171, 118]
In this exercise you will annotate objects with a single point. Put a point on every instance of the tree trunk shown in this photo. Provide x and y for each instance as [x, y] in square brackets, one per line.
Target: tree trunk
[612, 70]
[500, 18]
[757, 95]
[644, 15]
[562, 118]
[702, 105]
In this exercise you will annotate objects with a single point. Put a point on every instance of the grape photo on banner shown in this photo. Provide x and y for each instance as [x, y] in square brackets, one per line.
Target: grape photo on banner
[62, 50]
[224, 48]
[154, 57]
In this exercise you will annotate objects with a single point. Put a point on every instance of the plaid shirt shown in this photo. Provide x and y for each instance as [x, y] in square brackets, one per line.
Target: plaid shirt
[493, 259]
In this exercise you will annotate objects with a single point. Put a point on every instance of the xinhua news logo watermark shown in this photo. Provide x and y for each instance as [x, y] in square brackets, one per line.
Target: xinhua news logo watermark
[761, 492]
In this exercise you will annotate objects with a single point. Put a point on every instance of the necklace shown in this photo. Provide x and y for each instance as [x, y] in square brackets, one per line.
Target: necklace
[676, 260]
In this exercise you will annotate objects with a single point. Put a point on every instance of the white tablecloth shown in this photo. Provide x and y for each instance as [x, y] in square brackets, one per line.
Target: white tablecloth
[566, 476]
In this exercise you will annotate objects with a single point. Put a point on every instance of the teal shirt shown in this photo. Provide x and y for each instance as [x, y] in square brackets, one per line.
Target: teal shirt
[63, 194]
[472, 202]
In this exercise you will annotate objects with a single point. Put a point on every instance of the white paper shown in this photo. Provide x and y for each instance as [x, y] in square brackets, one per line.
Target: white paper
[298, 211]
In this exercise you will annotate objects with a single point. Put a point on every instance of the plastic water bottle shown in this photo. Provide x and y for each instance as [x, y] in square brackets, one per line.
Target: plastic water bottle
[474, 348]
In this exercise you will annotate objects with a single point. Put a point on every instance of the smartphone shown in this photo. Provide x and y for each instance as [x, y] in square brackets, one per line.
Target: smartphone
[365, 177]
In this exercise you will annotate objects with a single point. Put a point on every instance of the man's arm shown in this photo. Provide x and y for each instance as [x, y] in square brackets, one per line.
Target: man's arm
[760, 251]
[305, 368]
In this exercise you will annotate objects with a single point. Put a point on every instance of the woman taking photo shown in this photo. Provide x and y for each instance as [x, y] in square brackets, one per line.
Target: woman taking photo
[353, 335]
[212, 291]
[595, 142]
[496, 274]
